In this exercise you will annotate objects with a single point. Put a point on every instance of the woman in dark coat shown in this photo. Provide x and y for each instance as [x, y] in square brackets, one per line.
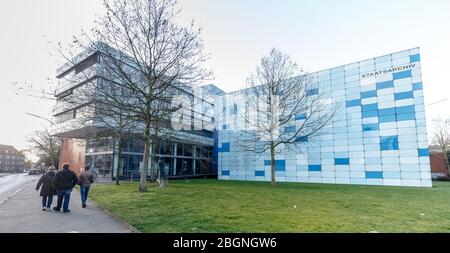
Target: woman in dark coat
[47, 190]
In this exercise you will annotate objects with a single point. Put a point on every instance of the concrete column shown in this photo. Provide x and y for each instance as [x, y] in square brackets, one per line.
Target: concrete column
[116, 158]
[175, 159]
[149, 167]
[194, 160]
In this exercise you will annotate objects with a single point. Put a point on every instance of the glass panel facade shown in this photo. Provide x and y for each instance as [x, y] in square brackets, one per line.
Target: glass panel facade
[378, 137]
[100, 153]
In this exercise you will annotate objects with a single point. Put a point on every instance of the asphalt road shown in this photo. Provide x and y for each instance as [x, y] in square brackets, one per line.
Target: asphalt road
[10, 183]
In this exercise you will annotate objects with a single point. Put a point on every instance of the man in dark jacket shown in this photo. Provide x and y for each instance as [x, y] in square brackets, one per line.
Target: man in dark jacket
[64, 181]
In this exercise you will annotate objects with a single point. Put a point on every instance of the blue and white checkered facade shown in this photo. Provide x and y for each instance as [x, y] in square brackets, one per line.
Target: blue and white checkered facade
[378, 137]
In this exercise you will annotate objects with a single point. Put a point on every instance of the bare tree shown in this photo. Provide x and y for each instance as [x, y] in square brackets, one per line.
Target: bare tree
[161, 54]
[441, 138]
[45, 146]
[148, 56]
[283, 107]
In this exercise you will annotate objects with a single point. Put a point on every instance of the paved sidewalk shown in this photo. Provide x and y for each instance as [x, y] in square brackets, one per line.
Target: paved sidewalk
[22, 213]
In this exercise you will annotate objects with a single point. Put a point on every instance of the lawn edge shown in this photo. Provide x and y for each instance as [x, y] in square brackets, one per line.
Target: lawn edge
[114, 216]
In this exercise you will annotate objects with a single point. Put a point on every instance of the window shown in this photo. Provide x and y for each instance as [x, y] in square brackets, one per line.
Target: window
[65, 116]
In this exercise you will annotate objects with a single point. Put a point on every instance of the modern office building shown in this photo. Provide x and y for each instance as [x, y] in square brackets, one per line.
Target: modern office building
[11, 160]
[188, 152]
[378, 137]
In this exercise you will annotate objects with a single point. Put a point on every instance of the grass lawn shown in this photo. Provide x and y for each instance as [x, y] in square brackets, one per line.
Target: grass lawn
[232, 206]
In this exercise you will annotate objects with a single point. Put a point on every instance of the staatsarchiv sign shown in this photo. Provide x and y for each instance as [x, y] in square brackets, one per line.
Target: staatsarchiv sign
[389, 70]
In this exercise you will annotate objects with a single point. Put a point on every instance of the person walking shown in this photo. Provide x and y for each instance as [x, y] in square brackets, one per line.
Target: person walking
[64, 181]
[85, 180]
[47, 190]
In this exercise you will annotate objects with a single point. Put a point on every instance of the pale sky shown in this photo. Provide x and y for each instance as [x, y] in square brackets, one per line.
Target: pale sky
[318, 34]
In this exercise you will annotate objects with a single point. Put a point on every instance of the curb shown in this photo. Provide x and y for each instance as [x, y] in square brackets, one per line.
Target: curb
[133, 229]
[14, 193]
[126, 224]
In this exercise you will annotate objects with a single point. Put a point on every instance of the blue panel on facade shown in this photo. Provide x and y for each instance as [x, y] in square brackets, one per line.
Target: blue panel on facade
[314, 167]
[387, 118]
[351, 103]
[389, 143]
[403, 74]
[387, 111]
[301, 116]
[370, 107]
[225, 172]
[369, 94]
[417, 86]
[280, 162]
[406, 116]
[369, 114]
[385, 85]
[280, 165]
[225, 147]
[301, 139]
[374, 174]
[260, 173]
[370, 127]
[280, 168]
[224, 126]
[405, 109]
[414, 58]
[423, 152]
[342, 161]
[312, 92]
[289, 129]
[404, 95]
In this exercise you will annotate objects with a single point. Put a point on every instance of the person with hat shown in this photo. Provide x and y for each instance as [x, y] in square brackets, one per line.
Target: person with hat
[47, 189]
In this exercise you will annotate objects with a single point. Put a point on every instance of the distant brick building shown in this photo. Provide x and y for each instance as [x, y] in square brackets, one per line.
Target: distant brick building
[11, 160]
[438, 166]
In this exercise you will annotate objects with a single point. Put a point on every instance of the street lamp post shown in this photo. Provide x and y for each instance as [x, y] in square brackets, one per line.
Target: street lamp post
[40, 117]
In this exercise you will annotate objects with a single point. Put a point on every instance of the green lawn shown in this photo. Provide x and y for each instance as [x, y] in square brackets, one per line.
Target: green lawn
[231, 206]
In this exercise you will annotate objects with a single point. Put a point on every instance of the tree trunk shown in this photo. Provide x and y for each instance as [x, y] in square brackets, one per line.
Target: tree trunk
[119, 152]
[143, 180]
[52, 159]
[152, 168]
[272, 165]
[155, 140]
[52, 154]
